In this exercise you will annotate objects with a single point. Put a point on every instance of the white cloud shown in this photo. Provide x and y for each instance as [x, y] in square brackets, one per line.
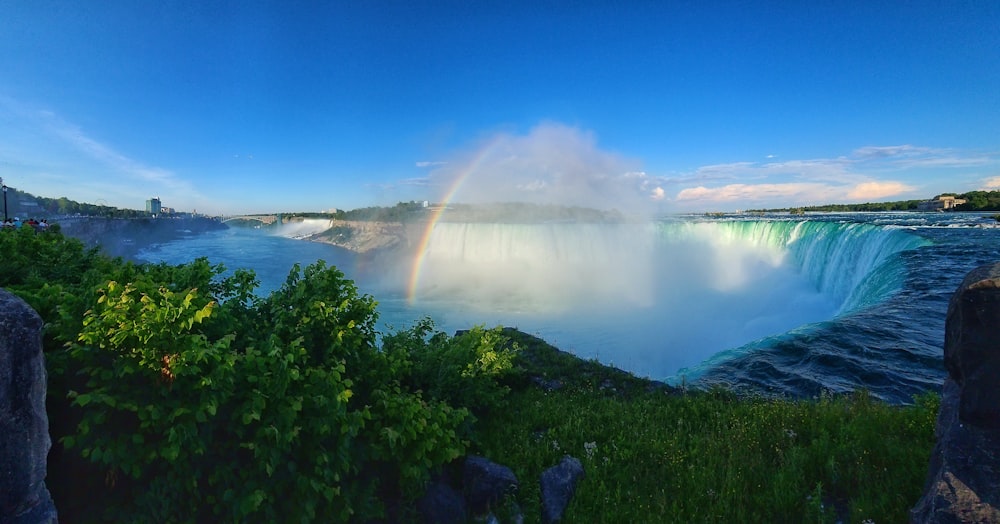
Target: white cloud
[874, 190]
[551, 163]
[868, 152]
[756, 192]
[658, 194]
[426, 163]
[992, 183]
[81, 167]
[534, 185]
[869, 173]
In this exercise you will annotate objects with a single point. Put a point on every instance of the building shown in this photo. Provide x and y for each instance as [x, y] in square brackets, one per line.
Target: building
[153, 206]
[940, 203]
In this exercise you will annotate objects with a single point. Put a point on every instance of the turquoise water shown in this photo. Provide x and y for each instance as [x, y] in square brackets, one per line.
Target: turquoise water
[781, 305]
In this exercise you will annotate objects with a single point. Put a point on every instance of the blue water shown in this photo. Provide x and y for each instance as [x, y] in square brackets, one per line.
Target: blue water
[779, 305]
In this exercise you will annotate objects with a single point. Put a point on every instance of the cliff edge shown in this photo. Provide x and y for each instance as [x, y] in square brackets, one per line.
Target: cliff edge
[963, 484]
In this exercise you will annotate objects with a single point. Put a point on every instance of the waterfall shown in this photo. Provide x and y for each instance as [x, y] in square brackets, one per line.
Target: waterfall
[566, 265]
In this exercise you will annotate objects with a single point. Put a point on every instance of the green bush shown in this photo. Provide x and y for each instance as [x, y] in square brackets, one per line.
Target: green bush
[467, 370]
[296, 415]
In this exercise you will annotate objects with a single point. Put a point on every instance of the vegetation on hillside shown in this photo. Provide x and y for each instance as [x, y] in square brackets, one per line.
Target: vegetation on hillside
[43, 206]
[975, 201]
[178, 395]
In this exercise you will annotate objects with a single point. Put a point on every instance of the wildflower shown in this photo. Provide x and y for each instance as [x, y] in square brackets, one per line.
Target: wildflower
[590, 448]
[790, 433]
[555, 445]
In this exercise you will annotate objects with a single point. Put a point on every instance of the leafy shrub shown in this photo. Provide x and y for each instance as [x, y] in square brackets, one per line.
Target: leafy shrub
[467, 370]
[274, 409]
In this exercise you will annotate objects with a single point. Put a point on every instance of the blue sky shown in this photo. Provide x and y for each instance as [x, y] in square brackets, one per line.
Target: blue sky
[231, 107]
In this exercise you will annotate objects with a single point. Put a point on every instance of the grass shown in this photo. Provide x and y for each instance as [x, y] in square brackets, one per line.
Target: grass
[652, 454]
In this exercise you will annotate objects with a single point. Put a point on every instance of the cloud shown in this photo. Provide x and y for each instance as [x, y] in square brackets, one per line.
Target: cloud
[866, 174]
[757, 192]
[556, 163]
[426, 163]
[869, 152]
[57, 157]
[551, 163]
[873, 190]
[992, 183]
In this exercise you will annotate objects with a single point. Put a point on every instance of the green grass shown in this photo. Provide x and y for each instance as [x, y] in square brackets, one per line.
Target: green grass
[654, 455]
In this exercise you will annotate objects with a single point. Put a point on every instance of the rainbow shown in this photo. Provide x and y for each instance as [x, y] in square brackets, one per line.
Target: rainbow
[425, 238]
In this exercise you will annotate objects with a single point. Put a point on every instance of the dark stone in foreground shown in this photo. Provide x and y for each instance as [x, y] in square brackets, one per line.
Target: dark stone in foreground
[963, 484]
[441, 504]
[486, 483]
[558, 486]
[972, 346]
[24, 425]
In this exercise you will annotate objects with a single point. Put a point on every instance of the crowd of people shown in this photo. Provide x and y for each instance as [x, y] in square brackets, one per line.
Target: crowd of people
[16, 222]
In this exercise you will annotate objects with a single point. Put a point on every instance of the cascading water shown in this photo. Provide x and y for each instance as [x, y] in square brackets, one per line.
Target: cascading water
[665, 296]
[842, 259]
[537, 266]
[791, 305]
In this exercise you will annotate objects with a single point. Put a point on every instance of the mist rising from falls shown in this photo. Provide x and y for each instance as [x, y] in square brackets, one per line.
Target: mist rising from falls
[539, 266]
[658, 297]
[303, 228]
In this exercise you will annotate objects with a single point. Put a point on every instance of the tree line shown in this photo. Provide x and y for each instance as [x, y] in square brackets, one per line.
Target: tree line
[975, 201]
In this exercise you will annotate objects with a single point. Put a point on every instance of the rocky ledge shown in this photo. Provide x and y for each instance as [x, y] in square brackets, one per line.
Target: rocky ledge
[963, 484]
[125, 237]
[366, 237]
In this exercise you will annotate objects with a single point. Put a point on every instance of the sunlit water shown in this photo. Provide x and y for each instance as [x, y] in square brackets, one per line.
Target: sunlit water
[786, 305]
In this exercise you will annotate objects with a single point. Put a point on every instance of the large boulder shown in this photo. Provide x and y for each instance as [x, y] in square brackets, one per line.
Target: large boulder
[24, 426]
[963, 483]
[487, 484]
[972, 346]
[558, 485]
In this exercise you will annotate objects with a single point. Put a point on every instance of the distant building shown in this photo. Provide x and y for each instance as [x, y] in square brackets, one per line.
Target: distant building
[940, 203]
[153, 206]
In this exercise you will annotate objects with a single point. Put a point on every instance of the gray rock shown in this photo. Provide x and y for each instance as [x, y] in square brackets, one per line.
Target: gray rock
[963, 482]
[558, 486]
[972, 346]
[442, 505]
[24, 425]
[486, 483]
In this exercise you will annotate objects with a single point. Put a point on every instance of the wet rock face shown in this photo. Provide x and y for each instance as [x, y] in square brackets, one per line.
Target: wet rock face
[558, 485]
[972, 346]
[963, 484]
[24, 426]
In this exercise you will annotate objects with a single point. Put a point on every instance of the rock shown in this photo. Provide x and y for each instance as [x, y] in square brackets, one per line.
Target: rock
[972, 346]
[547, 385]
[558, 486]
[486, 483]
[963, 482]
[24, 425]
[441, 504]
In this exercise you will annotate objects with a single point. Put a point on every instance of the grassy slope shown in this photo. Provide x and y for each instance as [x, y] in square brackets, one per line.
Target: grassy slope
[652, 454]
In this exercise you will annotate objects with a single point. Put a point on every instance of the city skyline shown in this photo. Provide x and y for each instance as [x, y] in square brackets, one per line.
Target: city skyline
[712, 106]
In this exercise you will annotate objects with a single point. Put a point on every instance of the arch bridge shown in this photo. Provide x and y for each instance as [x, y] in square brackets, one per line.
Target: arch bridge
[263, 219]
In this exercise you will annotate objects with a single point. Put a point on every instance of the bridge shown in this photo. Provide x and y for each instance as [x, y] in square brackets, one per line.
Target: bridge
[263, 219]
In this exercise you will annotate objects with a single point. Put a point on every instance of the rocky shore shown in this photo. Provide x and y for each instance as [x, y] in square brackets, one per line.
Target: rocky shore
[364, 237]
[123, 237]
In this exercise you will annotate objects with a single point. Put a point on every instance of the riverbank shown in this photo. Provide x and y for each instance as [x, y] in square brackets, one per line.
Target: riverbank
[652, 453]
[124, 237]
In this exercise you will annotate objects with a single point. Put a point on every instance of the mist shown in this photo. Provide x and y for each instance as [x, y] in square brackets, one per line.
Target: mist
[551, 164]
